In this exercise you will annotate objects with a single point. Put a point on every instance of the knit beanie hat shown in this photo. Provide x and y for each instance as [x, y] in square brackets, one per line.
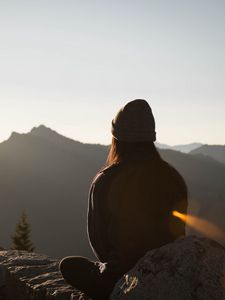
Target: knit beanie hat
[134, 123]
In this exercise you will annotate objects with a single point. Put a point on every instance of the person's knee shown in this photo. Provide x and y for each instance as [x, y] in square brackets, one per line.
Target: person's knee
[65, 265]
[75, 264]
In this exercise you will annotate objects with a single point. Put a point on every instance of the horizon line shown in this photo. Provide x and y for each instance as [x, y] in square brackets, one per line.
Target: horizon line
[98, 143]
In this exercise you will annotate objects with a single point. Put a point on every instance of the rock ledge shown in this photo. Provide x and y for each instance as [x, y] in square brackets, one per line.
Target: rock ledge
[31, 276]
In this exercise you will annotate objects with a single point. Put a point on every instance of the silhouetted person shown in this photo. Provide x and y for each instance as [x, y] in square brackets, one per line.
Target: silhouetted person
[130, 204]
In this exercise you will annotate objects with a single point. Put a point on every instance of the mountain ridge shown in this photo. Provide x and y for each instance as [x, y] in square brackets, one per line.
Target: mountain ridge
[185, 148]
[46, 132]
[217, 152]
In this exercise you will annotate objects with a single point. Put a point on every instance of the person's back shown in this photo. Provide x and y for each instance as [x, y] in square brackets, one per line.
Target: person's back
[141, 200]
[137, 205]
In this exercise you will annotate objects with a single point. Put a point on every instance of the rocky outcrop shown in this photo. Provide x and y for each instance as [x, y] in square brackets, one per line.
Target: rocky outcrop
[191, 268]
[30, 276]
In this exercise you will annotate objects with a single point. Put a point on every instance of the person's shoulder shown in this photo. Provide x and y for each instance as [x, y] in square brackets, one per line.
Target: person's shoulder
[106, 173]
[168, 168]
[173, 174]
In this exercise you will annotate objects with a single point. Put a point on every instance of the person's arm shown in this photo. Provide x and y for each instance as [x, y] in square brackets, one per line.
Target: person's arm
[98, 217]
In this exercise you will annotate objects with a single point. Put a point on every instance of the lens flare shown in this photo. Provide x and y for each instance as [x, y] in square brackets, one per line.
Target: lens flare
[179, 215]
[202, 226]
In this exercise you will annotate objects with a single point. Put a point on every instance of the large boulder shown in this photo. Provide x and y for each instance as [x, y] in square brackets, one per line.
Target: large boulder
[190, 268]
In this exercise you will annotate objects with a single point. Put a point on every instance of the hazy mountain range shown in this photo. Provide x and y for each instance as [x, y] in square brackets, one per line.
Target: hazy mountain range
[49, 176]
[215, 151]
[182, 148]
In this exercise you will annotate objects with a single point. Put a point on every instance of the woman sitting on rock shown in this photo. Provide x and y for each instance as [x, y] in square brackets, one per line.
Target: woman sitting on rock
[130, 205]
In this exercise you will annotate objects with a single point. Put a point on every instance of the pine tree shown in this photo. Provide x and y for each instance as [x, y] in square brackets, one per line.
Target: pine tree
[21, 237]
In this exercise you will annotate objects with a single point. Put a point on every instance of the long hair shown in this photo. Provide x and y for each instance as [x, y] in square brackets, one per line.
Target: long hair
[130, 151]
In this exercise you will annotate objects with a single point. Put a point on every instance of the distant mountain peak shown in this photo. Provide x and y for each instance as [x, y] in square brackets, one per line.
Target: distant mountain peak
[42, 131]
[14, 135]
[47, 133]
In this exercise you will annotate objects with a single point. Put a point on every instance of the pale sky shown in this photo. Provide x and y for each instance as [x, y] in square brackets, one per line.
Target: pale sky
[72, 64]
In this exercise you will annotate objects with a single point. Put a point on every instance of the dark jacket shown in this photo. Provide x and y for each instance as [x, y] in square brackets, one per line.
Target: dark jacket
[130, 209]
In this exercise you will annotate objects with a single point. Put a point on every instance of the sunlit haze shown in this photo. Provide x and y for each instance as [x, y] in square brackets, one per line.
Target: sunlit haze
[70, 65]
[201, 226]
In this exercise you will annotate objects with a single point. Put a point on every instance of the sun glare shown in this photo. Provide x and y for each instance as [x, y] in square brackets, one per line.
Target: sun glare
[202, 226]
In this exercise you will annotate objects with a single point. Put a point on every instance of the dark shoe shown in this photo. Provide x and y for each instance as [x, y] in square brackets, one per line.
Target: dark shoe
[85, 276]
